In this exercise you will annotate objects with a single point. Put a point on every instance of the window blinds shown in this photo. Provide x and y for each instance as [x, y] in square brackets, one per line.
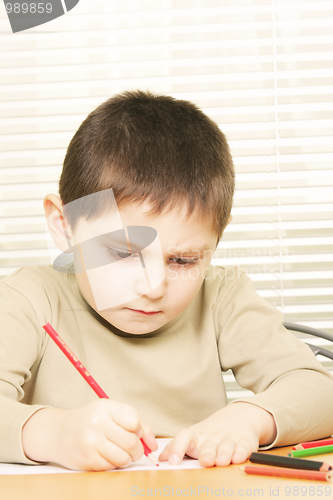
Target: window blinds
[262, 69]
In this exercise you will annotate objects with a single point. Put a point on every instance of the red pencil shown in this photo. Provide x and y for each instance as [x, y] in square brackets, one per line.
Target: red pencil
[313, 444]
[86, 375]
[282, 472]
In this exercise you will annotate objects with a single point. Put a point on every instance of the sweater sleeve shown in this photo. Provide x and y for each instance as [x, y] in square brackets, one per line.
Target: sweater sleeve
[20, 347]
[287, 379]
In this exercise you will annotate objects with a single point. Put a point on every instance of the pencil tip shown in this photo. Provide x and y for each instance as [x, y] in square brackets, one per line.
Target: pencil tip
[153, 459]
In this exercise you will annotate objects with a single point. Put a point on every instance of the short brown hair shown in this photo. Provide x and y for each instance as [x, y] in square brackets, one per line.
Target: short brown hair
[151, 148]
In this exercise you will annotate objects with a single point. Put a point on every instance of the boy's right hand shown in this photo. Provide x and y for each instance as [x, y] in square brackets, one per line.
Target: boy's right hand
[100, 435]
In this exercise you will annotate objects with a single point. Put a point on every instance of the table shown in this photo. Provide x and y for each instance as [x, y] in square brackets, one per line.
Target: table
[214, 483]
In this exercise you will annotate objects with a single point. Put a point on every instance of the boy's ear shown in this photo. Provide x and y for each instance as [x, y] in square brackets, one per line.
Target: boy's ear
[56, 223]
[227, 224]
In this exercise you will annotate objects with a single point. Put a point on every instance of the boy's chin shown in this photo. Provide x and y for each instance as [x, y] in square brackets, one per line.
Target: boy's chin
[131, 327]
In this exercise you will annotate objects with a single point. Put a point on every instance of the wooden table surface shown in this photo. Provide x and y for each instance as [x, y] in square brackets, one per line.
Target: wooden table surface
[213, 483]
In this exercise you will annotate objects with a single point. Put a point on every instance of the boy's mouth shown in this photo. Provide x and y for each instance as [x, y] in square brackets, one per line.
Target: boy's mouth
[148, 313]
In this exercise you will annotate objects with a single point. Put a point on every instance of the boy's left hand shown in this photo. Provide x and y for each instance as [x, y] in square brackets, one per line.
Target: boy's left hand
[228, 436]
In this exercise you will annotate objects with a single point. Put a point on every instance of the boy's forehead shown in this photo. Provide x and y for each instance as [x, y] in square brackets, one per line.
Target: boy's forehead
[104, 218]
[112, 225]
[174, 227]
[86, 229]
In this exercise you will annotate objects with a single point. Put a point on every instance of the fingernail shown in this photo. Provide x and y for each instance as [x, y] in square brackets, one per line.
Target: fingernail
[174, 459]
[223, 459]
[237, 458]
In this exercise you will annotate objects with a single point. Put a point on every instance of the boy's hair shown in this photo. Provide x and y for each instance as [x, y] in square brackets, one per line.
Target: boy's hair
[151, 148]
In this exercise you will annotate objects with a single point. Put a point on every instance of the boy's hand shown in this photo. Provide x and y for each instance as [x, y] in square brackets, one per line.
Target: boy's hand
[230, 435]
[100, 435]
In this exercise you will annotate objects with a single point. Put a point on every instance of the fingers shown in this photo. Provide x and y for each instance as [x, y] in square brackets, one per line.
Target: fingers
[165, 453]
[113, 456]
[127, 442]
[225, 452]
[131, 442]
[125, 416]
[230, 451]
[126, 430]
[209, 452]
[175, 450]
[112, 432]
[242, 452]
[125, 447]
[120, 427]
[100, 435]
[148, 436]
[96, 461]
[110, 435]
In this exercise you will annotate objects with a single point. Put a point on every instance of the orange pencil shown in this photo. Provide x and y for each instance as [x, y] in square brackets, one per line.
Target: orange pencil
[282, 472]
[88, 378]
[313, 444]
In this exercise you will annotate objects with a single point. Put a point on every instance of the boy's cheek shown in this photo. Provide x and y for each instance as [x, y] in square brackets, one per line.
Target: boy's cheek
[85, 288]
[191, 277]
[117, 283]
[184, 285]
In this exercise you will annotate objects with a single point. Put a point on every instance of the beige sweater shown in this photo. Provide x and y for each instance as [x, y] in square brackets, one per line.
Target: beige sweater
[172, 376]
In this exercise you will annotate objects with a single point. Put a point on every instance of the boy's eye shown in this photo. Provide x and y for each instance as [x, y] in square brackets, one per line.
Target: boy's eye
[121, 254]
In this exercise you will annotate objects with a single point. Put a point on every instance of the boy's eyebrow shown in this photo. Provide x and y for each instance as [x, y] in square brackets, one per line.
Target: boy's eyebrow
[199, 249]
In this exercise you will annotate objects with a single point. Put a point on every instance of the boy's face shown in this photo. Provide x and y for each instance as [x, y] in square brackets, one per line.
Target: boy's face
[177, 264]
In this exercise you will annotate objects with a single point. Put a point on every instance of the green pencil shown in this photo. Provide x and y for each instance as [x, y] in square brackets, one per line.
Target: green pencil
[308, 452]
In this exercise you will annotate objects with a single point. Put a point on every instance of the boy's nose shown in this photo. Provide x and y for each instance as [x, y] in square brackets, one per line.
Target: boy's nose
[157, 292]
[140, 288]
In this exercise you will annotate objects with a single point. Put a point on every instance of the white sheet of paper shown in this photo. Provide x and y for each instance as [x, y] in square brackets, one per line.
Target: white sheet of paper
[143, 464]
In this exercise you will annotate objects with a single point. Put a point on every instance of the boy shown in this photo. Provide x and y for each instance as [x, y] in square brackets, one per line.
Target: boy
[145, 194]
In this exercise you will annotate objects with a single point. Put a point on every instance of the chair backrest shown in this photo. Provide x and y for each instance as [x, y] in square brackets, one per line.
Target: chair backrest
[316, 333]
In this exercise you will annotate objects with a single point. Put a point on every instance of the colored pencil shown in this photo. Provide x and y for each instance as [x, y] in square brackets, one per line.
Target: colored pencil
[291, 462]
[309, 452]
[281, 472]
[86, 375]
[313, 444]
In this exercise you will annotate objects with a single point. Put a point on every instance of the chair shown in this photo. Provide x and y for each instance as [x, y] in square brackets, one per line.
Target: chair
[316, 333]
